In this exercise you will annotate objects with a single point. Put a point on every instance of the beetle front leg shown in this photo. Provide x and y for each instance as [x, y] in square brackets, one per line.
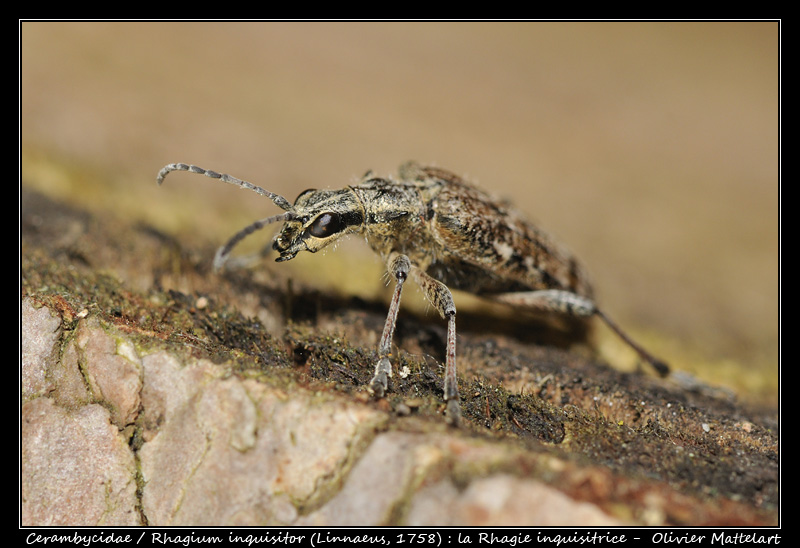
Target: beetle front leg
[398, 266]
[439, 296]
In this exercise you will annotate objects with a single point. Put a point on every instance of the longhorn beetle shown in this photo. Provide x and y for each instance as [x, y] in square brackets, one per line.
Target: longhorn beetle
[444, 233]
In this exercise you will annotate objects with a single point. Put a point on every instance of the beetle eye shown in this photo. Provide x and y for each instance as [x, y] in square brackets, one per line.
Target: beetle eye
[326, 225]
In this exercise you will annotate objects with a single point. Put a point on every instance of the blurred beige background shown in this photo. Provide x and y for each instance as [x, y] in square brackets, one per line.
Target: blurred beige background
[650, 149]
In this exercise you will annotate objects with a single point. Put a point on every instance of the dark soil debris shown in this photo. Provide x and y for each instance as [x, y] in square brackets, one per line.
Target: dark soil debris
[623, 428]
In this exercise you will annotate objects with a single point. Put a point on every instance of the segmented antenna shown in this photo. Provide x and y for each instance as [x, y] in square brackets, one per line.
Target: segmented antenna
[279, 200]
[224, 252]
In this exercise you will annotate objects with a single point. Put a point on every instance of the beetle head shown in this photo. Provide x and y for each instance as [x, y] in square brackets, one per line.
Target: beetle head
[317, 219]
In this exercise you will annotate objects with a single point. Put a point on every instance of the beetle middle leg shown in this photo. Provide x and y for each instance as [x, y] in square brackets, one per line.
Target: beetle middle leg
[442, 299]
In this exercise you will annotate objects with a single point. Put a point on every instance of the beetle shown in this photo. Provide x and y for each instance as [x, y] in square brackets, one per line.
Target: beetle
[443, 232]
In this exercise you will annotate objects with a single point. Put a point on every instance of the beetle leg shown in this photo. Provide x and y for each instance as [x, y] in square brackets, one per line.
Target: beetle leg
[398, 266]
[572, 304]
[442, 299]
[550, 300]
[439, 296]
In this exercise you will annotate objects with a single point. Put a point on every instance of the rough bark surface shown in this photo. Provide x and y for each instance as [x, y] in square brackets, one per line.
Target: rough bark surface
[155, 392]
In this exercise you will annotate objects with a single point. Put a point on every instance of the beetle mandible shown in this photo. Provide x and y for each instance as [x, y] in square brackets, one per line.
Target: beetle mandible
[439, 230]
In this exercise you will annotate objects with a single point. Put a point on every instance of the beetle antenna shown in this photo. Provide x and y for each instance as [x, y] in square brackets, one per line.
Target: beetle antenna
[279, 200]
[224, 252]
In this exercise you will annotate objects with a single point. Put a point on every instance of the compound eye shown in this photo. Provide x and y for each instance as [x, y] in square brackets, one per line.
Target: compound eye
[326, 225]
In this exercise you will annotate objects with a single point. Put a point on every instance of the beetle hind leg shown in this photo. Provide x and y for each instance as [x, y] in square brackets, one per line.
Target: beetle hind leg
[572, 304]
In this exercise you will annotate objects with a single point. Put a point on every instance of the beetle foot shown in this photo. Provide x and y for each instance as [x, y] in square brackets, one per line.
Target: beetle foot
[453, 412]
[380, 382]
